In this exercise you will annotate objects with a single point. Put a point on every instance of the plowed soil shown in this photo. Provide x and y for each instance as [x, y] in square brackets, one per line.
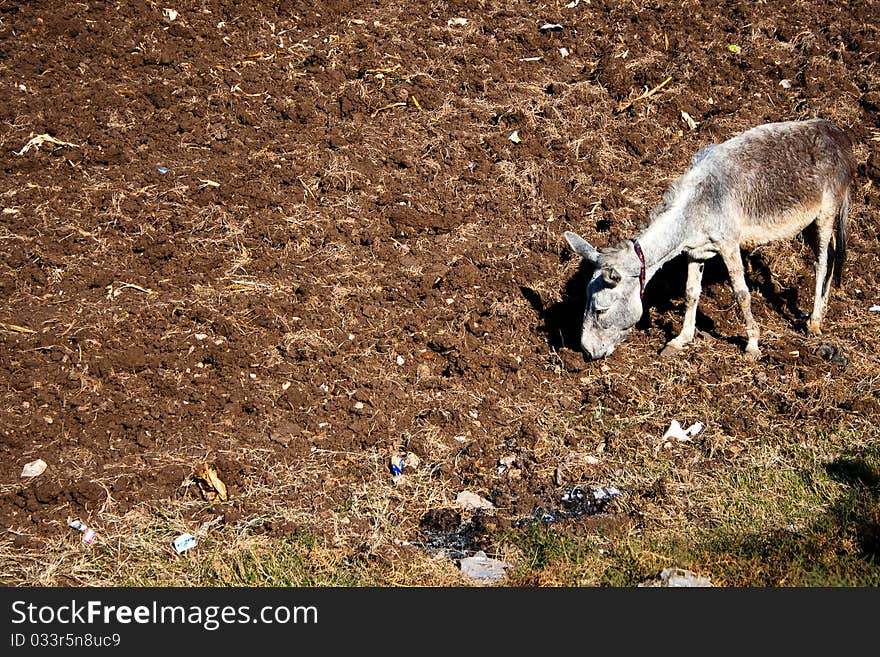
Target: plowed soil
[293, 239]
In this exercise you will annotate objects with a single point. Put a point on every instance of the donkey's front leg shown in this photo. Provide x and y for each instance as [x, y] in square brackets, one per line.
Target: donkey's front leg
[733, 261]
[693, 287]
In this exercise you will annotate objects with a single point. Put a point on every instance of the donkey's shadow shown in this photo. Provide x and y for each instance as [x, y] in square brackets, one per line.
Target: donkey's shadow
[561, 320]
[783, 301]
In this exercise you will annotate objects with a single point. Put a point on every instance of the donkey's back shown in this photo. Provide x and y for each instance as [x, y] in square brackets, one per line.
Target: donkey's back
[774, 180]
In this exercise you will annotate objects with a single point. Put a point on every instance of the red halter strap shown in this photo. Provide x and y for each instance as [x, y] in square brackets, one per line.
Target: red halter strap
[641, 255]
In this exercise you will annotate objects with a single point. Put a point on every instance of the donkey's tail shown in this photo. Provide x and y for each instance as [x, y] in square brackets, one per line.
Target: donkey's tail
[840, 240]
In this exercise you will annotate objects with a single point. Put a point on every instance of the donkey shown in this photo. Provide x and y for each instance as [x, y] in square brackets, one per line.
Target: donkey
[767, 183]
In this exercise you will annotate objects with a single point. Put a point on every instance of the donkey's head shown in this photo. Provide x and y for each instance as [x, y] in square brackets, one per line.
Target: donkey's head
[614, 294]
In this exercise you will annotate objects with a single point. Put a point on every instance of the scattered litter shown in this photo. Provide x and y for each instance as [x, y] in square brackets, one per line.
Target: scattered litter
[514, 137]
[400, 360]
[734, 49]
[210, 484]
[397, 465]
[678, 577]
[572, 4]
[531, 59]
[33, 469]
[577, 501]
[170, 14]
[676, 434]
[785, 84]
[550, 27]
[403, 460]
[34, 142]
[505, 463]
[483, 568]
[563, 52]
[603, 493]
[89, 535]
[206, 182]
[162, 170]
[687, 118]
[874, 309]
[183, 543]
[542, 515]
[457, 21]
[471, 501]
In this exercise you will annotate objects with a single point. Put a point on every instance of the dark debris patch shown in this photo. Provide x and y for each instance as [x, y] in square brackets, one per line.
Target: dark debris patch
[445, 531]
[577, 502]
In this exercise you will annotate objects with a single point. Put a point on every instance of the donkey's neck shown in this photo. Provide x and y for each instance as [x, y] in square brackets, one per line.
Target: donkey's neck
[663, 239]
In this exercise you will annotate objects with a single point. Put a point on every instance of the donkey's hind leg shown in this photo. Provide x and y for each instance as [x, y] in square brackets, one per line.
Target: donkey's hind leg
[693, 287]
[733, 260]
[824, 252]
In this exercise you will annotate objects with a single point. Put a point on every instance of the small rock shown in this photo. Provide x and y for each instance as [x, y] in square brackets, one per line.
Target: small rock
[483, 568]
[471, 501]
[678, 577]
[33, 469]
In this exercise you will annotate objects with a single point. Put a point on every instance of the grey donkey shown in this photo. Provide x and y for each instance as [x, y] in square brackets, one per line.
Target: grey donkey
[767, 183]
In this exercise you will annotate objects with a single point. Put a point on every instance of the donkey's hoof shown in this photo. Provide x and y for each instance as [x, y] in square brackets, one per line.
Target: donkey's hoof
[670, 350]
[813, 328]
[753, 355]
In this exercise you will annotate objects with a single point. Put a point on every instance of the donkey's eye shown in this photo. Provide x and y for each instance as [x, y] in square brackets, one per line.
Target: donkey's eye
[600, 310]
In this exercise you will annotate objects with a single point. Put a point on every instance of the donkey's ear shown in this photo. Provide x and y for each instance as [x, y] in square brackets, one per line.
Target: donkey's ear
[580, 246]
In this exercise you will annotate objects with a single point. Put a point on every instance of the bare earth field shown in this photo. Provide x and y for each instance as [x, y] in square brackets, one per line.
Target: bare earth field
[291, 241]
